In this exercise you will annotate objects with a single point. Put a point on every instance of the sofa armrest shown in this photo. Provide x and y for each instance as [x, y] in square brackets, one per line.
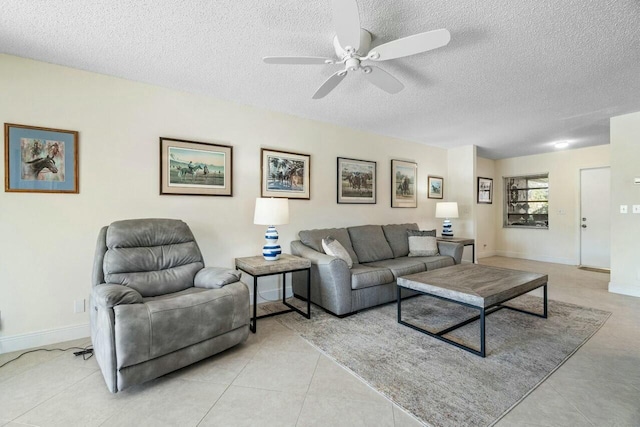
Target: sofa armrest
[215, 277]
[330, 279]
[452, 249]
[108, 296]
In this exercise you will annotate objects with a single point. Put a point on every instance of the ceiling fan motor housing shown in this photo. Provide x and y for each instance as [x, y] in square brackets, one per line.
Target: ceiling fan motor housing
[363, 50]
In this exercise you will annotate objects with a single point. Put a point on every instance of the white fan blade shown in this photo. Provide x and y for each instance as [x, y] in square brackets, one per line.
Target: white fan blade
[329, 84]
[302, 60]
[382, 79]
[347, 22]
[411, 45]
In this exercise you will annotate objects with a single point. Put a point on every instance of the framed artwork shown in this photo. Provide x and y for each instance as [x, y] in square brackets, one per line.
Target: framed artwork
[404, 178]
[40, 160]
[485, 190]
[356, 181]
[285, 174]
[435, 185]
[192, 168]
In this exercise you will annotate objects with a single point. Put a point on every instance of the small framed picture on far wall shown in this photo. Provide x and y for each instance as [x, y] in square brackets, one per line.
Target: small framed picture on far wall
[485, 190]
[435, 185]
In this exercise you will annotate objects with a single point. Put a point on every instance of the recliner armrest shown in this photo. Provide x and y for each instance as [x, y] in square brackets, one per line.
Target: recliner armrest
[109, 296]
[215, 278]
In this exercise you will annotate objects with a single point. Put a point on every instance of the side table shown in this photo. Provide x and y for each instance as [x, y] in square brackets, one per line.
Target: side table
[465, 242]
[257, 267]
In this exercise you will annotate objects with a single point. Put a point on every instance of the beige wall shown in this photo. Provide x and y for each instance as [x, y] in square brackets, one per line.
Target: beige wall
[487, 215]
[561, 242]
[47, 243]
[625, 228]
[459, 187]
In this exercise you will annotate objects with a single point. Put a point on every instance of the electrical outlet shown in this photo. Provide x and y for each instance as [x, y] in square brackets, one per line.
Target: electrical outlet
[623, 209]
[636, 208]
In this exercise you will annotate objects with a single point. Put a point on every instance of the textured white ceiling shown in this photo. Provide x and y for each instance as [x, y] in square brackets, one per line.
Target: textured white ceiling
[516, 75]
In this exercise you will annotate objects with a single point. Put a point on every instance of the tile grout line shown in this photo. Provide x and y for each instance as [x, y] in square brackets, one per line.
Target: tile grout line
[306, 394]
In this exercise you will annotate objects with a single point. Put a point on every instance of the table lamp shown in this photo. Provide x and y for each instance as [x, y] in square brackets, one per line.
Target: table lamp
[271, 212]
[447, 210]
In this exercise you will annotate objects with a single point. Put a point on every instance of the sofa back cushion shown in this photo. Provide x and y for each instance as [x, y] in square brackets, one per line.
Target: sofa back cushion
[369, 243]
[152, 256]
[313, 239]
[396, 235]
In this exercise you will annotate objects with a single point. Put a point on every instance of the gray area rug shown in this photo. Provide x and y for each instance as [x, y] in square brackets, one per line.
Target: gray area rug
[438, 383]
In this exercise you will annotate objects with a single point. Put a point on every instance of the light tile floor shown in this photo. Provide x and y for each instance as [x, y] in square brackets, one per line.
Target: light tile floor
[277, 379]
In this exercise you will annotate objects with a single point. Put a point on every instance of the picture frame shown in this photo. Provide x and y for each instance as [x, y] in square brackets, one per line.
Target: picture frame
[191, 168]
[435, 187]
[404, 180]
[485, 190]
[284, 174]
[40, 160]
[356, 181]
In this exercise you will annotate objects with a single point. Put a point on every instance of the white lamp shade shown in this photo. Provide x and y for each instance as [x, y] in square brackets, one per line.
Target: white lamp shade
[271, 211]
[447, 210]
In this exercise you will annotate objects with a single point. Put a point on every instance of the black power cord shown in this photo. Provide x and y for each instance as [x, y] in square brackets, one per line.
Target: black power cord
[85, 352]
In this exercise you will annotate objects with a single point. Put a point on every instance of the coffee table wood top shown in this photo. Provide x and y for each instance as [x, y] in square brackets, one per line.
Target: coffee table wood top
[477, 285]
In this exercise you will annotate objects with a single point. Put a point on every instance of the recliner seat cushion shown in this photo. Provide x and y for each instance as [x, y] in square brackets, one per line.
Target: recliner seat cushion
[369, 243]
[163, 325]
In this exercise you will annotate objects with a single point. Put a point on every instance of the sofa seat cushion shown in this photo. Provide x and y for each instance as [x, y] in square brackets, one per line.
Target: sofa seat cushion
[363, 276]
[369, 243]
[400, 266]
[164, 324]
[313, 239]
[434, 262]
[396, 235]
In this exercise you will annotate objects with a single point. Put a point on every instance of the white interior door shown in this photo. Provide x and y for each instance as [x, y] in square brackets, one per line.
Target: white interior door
[595, 218]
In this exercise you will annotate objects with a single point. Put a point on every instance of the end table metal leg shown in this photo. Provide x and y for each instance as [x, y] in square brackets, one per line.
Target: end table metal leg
[545, 301]
[253, 325]
[284, 287]
[482, 352]
[308, 293]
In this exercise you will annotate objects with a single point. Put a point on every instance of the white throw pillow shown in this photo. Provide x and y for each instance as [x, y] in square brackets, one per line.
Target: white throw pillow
[332, 247]
[422, 243]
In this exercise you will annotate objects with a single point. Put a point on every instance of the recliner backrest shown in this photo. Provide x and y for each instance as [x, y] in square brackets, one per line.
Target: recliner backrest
[152, 256]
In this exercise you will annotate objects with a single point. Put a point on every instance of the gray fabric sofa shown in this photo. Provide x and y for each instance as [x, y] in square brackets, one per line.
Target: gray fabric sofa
[379, 255]
[154, 308]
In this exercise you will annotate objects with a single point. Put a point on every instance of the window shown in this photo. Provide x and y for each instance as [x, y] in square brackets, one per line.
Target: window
[527, 201]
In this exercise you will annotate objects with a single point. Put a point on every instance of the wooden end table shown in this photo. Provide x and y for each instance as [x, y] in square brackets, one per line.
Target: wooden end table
[257, 267]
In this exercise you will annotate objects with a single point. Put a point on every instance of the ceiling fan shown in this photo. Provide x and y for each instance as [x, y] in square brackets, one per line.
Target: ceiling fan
[352, 45]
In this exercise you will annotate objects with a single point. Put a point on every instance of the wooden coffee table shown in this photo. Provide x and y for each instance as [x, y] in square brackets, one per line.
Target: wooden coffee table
[477, 286]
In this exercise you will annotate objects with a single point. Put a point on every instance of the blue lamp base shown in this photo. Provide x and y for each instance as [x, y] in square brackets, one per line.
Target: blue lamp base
[271, 250]
[447, 229]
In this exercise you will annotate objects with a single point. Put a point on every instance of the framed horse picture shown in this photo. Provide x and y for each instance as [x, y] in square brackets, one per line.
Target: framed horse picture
[356, 181]
[435, 186]
[404, 179]
[40, 160]
[285, 174]
[191, 168]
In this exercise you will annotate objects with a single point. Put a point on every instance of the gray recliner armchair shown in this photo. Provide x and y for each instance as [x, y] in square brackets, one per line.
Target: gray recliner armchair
[154, 307]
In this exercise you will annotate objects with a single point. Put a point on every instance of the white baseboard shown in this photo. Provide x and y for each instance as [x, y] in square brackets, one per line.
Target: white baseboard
[624, 289]
[486, 254]
[40, 338]
[534, 257]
